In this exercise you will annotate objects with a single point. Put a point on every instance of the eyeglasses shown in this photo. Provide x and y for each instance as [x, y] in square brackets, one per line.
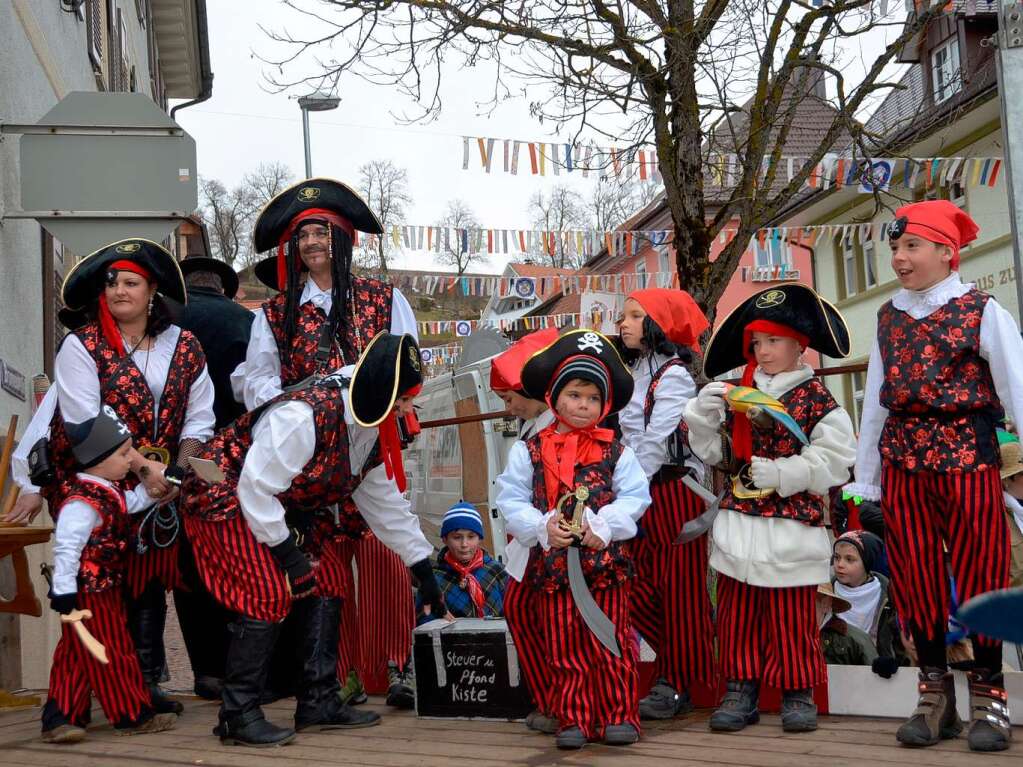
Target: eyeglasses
[313, 233]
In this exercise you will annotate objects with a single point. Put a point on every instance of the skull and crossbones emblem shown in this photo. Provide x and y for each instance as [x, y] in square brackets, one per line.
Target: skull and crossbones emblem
[591, 341]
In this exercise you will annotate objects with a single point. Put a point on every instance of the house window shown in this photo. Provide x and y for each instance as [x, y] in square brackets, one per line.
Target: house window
[641, 275]
[946, 77]
[869, 264]
[664, 259]
[771, 253]
[847, 254]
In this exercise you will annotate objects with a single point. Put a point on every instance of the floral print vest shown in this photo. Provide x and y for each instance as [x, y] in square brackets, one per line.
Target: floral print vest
[941, 400]
[105, 555]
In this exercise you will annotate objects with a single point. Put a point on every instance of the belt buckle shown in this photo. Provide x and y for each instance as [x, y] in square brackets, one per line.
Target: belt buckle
[743, 487]
[154, 453]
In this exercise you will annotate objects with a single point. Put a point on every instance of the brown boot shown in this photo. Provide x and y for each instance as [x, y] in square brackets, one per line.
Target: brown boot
[989, 705]
[935, 717]
[64, 733]
[158, 723]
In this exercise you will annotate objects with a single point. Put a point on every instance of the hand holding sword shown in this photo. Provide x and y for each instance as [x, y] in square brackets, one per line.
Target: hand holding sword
[75, 618]
[576, 527]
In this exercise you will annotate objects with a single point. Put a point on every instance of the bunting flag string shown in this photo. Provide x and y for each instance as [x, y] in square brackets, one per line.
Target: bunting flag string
[639, 163]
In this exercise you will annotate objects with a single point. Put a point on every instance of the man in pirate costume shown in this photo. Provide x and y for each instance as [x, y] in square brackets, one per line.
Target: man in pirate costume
[769, 544]
[291, 465]
[946, 367]
[153, 374]
[593, 691]
[322, 319]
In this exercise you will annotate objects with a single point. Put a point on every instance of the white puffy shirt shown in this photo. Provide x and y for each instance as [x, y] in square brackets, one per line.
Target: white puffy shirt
[258, 378]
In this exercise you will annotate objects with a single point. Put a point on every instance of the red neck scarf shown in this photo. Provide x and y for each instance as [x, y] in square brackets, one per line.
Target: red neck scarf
[742, 432]
[320, 214]
[107, 323]
[467, 579]
[390, 444]
[562, 452]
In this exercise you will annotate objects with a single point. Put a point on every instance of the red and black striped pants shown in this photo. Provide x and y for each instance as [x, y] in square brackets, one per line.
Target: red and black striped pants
[75, 675]
[239, 571]
[925, 512]
[769, 635]
[590, 687]
[670, 602]
[378, 614]
[523, 614]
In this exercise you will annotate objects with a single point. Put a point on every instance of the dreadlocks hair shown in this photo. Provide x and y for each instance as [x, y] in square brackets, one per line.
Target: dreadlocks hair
[341, 283]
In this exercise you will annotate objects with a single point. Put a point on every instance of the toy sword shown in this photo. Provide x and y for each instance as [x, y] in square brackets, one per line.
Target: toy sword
[76, 618]
[602, 627]
[694, 528]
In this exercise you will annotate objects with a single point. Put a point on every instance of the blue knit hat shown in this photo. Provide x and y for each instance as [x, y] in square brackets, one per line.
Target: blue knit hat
[462, 516]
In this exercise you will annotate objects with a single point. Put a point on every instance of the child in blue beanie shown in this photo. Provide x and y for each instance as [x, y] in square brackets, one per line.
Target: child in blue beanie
[471, 581]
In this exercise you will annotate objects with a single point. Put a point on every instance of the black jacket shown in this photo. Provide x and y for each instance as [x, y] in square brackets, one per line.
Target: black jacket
[223, 328]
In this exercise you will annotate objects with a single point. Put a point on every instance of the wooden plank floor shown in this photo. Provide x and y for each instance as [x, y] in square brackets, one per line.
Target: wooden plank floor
[402, 740]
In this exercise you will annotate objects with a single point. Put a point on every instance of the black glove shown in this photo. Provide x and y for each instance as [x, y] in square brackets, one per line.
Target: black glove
[63, 603]
[296, 564]
[429, 591]
[885, 666]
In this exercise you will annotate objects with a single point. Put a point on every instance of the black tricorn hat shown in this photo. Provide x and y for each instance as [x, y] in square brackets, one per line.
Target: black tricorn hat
[792, 304]
[540, 371]
[228, 276]
[266, 272]
[95, 440]
[390, 366]
[325, 193]
[85, 281]
[72, 319]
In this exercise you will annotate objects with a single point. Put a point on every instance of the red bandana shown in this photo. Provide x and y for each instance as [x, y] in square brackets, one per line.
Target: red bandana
[390, 444]
[562, 452]
[467, 579]
[107, 323]
[742, 433]
[329, 216]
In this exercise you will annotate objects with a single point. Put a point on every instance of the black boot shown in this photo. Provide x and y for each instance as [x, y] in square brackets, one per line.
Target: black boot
[147, 618]
[798, 711]
[241, 719]
[738, 708]
[319, 697]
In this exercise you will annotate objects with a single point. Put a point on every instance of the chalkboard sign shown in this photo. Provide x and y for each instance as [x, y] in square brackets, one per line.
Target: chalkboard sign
[468, 669]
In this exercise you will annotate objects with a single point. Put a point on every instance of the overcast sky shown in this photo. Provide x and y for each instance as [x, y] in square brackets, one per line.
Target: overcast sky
[244, 124]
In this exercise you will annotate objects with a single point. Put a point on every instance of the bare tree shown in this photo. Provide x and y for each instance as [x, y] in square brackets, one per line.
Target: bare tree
[385, 187]
[267, 181]
[557, 210]
[227, 214]
[612, 201]
[464, 248]
[666, 73]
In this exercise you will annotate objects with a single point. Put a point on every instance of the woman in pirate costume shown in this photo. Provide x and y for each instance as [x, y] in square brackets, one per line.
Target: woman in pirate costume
[153, 374]
[769, 544]
[293, 464]
[670, 601]
[322, 319]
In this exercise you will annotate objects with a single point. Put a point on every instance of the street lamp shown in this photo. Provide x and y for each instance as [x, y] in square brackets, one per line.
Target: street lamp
[314, 102]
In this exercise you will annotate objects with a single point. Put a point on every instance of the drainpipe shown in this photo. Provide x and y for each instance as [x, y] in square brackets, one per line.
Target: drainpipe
[205, 73]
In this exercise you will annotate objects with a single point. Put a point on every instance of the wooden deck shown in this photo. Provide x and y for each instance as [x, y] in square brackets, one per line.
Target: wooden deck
[402, 740]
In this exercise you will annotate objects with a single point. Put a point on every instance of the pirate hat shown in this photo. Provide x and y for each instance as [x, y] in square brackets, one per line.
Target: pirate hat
[838, 604]
[584, 354]
[228, 276]
[792, 305]
[390, 367]
[314, 194]
[506, 367]
[675, 313]
[95, 440]
[72, 319]
[86, 279]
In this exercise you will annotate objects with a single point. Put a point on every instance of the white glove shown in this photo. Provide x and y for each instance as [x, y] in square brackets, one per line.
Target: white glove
[711, 397]
[765, 473]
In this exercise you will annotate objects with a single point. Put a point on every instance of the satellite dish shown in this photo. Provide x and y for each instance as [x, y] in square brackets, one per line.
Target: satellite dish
[482, 344]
